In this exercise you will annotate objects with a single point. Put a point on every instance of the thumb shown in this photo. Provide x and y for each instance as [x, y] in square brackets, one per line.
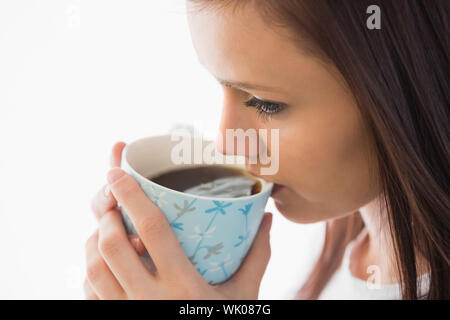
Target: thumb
[116, 154]
[250, 273]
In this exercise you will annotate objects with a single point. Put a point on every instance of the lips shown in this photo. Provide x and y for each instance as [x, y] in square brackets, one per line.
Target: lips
[276, 187]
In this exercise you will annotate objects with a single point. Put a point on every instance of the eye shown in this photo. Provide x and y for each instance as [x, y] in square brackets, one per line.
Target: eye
[264, 107]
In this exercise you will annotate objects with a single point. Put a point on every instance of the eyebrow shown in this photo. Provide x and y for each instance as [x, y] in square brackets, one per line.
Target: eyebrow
[247, 86]
[243, 85]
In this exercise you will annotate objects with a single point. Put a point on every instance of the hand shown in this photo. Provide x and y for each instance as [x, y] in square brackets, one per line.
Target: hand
[115, 270]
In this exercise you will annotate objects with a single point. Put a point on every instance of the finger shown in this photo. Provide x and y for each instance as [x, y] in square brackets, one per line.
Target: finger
[103, 202]
[100, 278]
[249, 275]
[88, 291]
[120, 256]
[151, 225]
[116, 154]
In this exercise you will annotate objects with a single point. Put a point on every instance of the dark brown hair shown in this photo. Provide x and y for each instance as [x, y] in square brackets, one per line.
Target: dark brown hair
[399, 77]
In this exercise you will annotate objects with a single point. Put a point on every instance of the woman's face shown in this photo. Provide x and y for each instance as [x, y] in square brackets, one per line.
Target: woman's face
[324, 169]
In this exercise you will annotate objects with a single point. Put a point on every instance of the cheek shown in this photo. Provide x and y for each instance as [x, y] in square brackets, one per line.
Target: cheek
[326, 171]
[324, 154]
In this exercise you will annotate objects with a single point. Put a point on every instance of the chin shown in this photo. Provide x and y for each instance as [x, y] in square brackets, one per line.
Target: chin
[294, 213]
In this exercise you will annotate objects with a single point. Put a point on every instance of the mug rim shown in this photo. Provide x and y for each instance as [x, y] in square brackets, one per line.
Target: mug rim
[266, 186]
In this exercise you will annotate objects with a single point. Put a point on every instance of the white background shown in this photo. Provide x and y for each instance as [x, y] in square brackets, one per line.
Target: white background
[76, 76]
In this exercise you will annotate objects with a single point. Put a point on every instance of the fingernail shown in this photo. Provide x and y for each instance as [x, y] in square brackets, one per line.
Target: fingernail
[114, 174]
[137, 244]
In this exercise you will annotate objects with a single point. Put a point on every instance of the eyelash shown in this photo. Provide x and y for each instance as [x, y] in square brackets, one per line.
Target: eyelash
[265, 108]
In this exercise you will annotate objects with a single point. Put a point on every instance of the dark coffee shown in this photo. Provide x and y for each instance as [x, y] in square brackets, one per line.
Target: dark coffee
[212, 180]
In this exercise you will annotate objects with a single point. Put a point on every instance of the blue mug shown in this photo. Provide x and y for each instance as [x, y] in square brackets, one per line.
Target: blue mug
[214, 233]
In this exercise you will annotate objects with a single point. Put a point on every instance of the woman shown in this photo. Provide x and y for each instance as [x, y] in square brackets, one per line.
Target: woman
[363, 118]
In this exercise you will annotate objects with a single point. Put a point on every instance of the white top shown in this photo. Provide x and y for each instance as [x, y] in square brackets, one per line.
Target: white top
[343, 285]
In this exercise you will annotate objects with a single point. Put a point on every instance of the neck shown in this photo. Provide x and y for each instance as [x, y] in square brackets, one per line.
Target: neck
[375, 248]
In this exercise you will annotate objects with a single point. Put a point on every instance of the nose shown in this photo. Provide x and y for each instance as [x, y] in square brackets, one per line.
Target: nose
[237, 134]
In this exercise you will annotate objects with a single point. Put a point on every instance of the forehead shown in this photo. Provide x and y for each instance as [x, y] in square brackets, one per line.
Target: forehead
[237, 45]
